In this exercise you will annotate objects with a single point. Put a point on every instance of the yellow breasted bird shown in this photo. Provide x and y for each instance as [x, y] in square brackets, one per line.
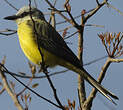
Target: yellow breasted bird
[32, 26]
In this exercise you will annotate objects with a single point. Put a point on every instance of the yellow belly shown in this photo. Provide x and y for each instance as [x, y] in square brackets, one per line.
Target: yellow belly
[30, 47]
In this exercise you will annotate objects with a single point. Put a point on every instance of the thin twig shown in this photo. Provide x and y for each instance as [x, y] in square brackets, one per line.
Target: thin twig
[71, 35]
[49, 101]
[93, 61]
[57, 72]
[64, 21]
[35, 77]
[72, 18]
[11, 5]
[115, 48]
[95, 25]
[35, 3]
[54, 90]
[9, 32]
[95, 10]
[2, 90]
[52, 16]
[61, 22]
[60, 13]
[9, 90]
[18, 94]
[97, 2]
[115, 60]
[109, 5]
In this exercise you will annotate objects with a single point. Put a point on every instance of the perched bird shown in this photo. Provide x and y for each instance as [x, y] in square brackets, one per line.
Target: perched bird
[41, 42]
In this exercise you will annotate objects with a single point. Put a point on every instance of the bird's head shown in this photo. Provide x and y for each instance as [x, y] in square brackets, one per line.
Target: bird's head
[26, 13]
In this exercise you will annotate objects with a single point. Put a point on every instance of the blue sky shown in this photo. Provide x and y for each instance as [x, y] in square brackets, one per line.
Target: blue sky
[66, 83]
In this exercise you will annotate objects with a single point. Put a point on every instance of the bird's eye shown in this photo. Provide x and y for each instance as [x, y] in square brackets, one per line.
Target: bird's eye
[24, 14]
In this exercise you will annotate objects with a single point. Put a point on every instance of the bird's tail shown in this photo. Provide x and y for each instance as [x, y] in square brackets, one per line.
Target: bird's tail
[96, 85]
[92, 81]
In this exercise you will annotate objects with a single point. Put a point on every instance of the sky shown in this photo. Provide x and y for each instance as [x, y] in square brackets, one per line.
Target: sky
[65, 83]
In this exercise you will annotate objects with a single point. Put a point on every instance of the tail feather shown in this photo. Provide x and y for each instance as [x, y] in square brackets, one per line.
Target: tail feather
[91, 81]
[98, 86]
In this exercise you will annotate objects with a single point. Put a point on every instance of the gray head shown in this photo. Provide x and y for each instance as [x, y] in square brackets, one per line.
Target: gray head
[25, 13]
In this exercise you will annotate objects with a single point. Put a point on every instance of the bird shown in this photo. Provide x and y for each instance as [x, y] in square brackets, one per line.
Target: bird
[41, 43]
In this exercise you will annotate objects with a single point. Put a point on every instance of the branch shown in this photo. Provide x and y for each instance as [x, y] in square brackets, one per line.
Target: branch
[68, 11]
[11, 74]
[18, 94]
[11, 5]
[61, 22]
[35, 77]
[94, 10]
[52, 16]
[115, 60]
[109, 5]
[55, 73]
[100, 78]
[93, 61]
[2, 90]
[117, 44]
[60, 13]
[81, 82]
[54, 91]
[97, 2]
[9, 90]
[35, 3]
[71, 35]
[8, 30]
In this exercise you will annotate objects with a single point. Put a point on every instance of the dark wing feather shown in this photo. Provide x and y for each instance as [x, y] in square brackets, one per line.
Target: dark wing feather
[52, 41]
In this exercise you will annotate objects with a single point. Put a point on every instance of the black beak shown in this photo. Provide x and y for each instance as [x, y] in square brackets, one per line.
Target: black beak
[13, 17]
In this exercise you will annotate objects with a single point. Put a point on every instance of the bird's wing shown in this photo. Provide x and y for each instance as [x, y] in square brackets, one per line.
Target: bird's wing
[52, 41]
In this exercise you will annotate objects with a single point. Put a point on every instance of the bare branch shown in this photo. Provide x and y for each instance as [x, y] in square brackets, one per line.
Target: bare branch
[35, 77]
[95, 25]
[97, 2]
[117, 44]
[2, 90]
[51, 74]
[81, 82]
[9, 90]
[11, 5]
[115, 60]
[61, 22]
[68, 11]
[35, 3]
[52, 16]
[54, 91]
[109, 5]
[71, 35]
[18, 94]
[79, 99]
[7, 32]
[93, 61]
[11, 74]
[60, 13]
[94, 10]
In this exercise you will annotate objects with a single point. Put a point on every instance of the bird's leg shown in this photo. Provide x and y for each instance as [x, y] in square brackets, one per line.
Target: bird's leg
[43, 67]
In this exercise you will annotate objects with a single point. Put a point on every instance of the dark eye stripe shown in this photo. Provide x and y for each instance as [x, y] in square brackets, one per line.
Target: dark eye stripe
[25, 14]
